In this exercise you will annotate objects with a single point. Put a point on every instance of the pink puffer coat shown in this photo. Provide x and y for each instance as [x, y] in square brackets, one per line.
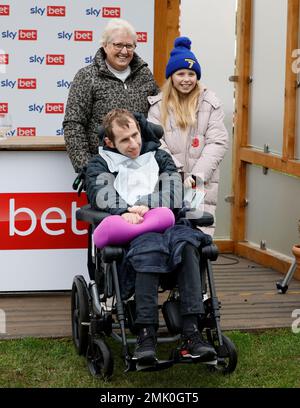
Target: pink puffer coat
[200, 149]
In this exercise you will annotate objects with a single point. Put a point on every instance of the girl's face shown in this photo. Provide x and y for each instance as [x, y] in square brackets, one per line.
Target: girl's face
[184, 80]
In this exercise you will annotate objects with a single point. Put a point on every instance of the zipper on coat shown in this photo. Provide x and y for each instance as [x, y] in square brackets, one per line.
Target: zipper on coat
[125, 86]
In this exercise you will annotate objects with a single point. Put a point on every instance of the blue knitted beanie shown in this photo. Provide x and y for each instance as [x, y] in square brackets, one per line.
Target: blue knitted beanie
[181, 57]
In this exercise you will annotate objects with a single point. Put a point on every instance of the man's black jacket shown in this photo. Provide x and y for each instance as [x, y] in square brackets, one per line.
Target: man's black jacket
[165, 194]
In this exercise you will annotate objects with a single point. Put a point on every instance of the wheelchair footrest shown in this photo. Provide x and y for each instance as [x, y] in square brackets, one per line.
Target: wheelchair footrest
[195, 361]
[156, 366]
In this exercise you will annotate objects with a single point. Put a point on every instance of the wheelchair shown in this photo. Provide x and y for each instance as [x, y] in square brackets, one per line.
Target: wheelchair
[98, 311]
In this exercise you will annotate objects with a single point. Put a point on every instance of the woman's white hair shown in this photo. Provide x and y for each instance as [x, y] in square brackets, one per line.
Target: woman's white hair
[117, 25]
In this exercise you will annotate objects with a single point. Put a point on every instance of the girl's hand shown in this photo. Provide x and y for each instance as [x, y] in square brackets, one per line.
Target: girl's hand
[189, 182]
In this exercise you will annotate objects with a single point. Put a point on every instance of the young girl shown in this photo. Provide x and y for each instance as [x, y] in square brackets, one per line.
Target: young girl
[192, 118]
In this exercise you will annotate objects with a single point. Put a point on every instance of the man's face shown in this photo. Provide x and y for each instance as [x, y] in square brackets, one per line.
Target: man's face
[117, 56]
[127, 140]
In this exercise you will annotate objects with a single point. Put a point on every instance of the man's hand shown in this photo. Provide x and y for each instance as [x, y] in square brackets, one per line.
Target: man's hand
[189, 182]
[138, 209]
[132, 218]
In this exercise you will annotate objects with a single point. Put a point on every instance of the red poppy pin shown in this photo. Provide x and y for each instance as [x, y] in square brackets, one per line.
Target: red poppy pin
[195, 142]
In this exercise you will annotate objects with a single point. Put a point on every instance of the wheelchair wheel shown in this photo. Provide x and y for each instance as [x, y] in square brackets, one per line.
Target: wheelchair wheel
[99, 359]
[80, 314]
[227, 361]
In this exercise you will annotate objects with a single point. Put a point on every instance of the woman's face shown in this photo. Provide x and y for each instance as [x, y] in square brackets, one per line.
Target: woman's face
[117, 56]
[184, 80]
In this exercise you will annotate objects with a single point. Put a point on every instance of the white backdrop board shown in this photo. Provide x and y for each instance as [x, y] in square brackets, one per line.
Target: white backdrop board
[42, 47]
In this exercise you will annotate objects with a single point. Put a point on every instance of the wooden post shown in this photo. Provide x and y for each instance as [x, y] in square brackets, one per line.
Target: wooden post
[242, 75]
[166, 29]
[290, 96]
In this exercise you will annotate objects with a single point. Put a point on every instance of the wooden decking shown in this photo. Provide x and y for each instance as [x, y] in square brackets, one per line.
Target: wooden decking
[246, 290]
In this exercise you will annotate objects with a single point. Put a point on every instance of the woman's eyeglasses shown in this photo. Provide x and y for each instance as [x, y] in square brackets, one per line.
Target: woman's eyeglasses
[120, 46]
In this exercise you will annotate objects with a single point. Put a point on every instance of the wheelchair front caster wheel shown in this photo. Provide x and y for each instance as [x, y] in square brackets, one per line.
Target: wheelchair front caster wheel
[99, 359]
[227, 357]
[80, 314]
[280, 288]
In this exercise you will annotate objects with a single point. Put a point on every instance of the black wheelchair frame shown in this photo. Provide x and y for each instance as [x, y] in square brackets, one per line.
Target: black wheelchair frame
[93, 318]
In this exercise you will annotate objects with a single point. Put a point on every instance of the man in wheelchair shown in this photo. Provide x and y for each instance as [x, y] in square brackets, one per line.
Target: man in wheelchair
[128, 179]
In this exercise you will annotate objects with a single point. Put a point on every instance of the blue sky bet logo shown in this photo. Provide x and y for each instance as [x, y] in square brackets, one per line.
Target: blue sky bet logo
[36, 108]
[37, 10]
[63, 84]
[64, 35]
[6, 83]
[9, 34]
[92, 12]
[35, 59]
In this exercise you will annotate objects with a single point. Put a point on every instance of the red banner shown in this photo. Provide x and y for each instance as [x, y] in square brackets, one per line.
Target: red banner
[41, 221]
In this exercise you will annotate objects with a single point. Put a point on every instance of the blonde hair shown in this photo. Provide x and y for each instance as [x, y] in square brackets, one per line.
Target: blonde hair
[117, 25]
[183, 106]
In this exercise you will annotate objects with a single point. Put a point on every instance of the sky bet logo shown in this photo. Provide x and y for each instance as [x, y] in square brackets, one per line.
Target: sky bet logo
[79, 35]
[4, 10]
[50, 59]
[52, 11]
[23, 131]
[23, 83]
[23, 35]
[107, 12]
[51, 108]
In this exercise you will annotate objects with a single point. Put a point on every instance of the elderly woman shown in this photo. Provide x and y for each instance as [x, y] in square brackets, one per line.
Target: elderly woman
[193, 121]
[117, 78]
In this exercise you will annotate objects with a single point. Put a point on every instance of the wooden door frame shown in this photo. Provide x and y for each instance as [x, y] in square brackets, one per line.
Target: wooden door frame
[166, 29]
[244, 154]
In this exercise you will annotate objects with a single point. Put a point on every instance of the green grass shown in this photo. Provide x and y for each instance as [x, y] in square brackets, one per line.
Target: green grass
[266, 359]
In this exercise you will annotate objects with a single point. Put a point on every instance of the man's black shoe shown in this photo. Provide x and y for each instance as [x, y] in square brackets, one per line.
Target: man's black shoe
[196, 348]
[145, 346]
